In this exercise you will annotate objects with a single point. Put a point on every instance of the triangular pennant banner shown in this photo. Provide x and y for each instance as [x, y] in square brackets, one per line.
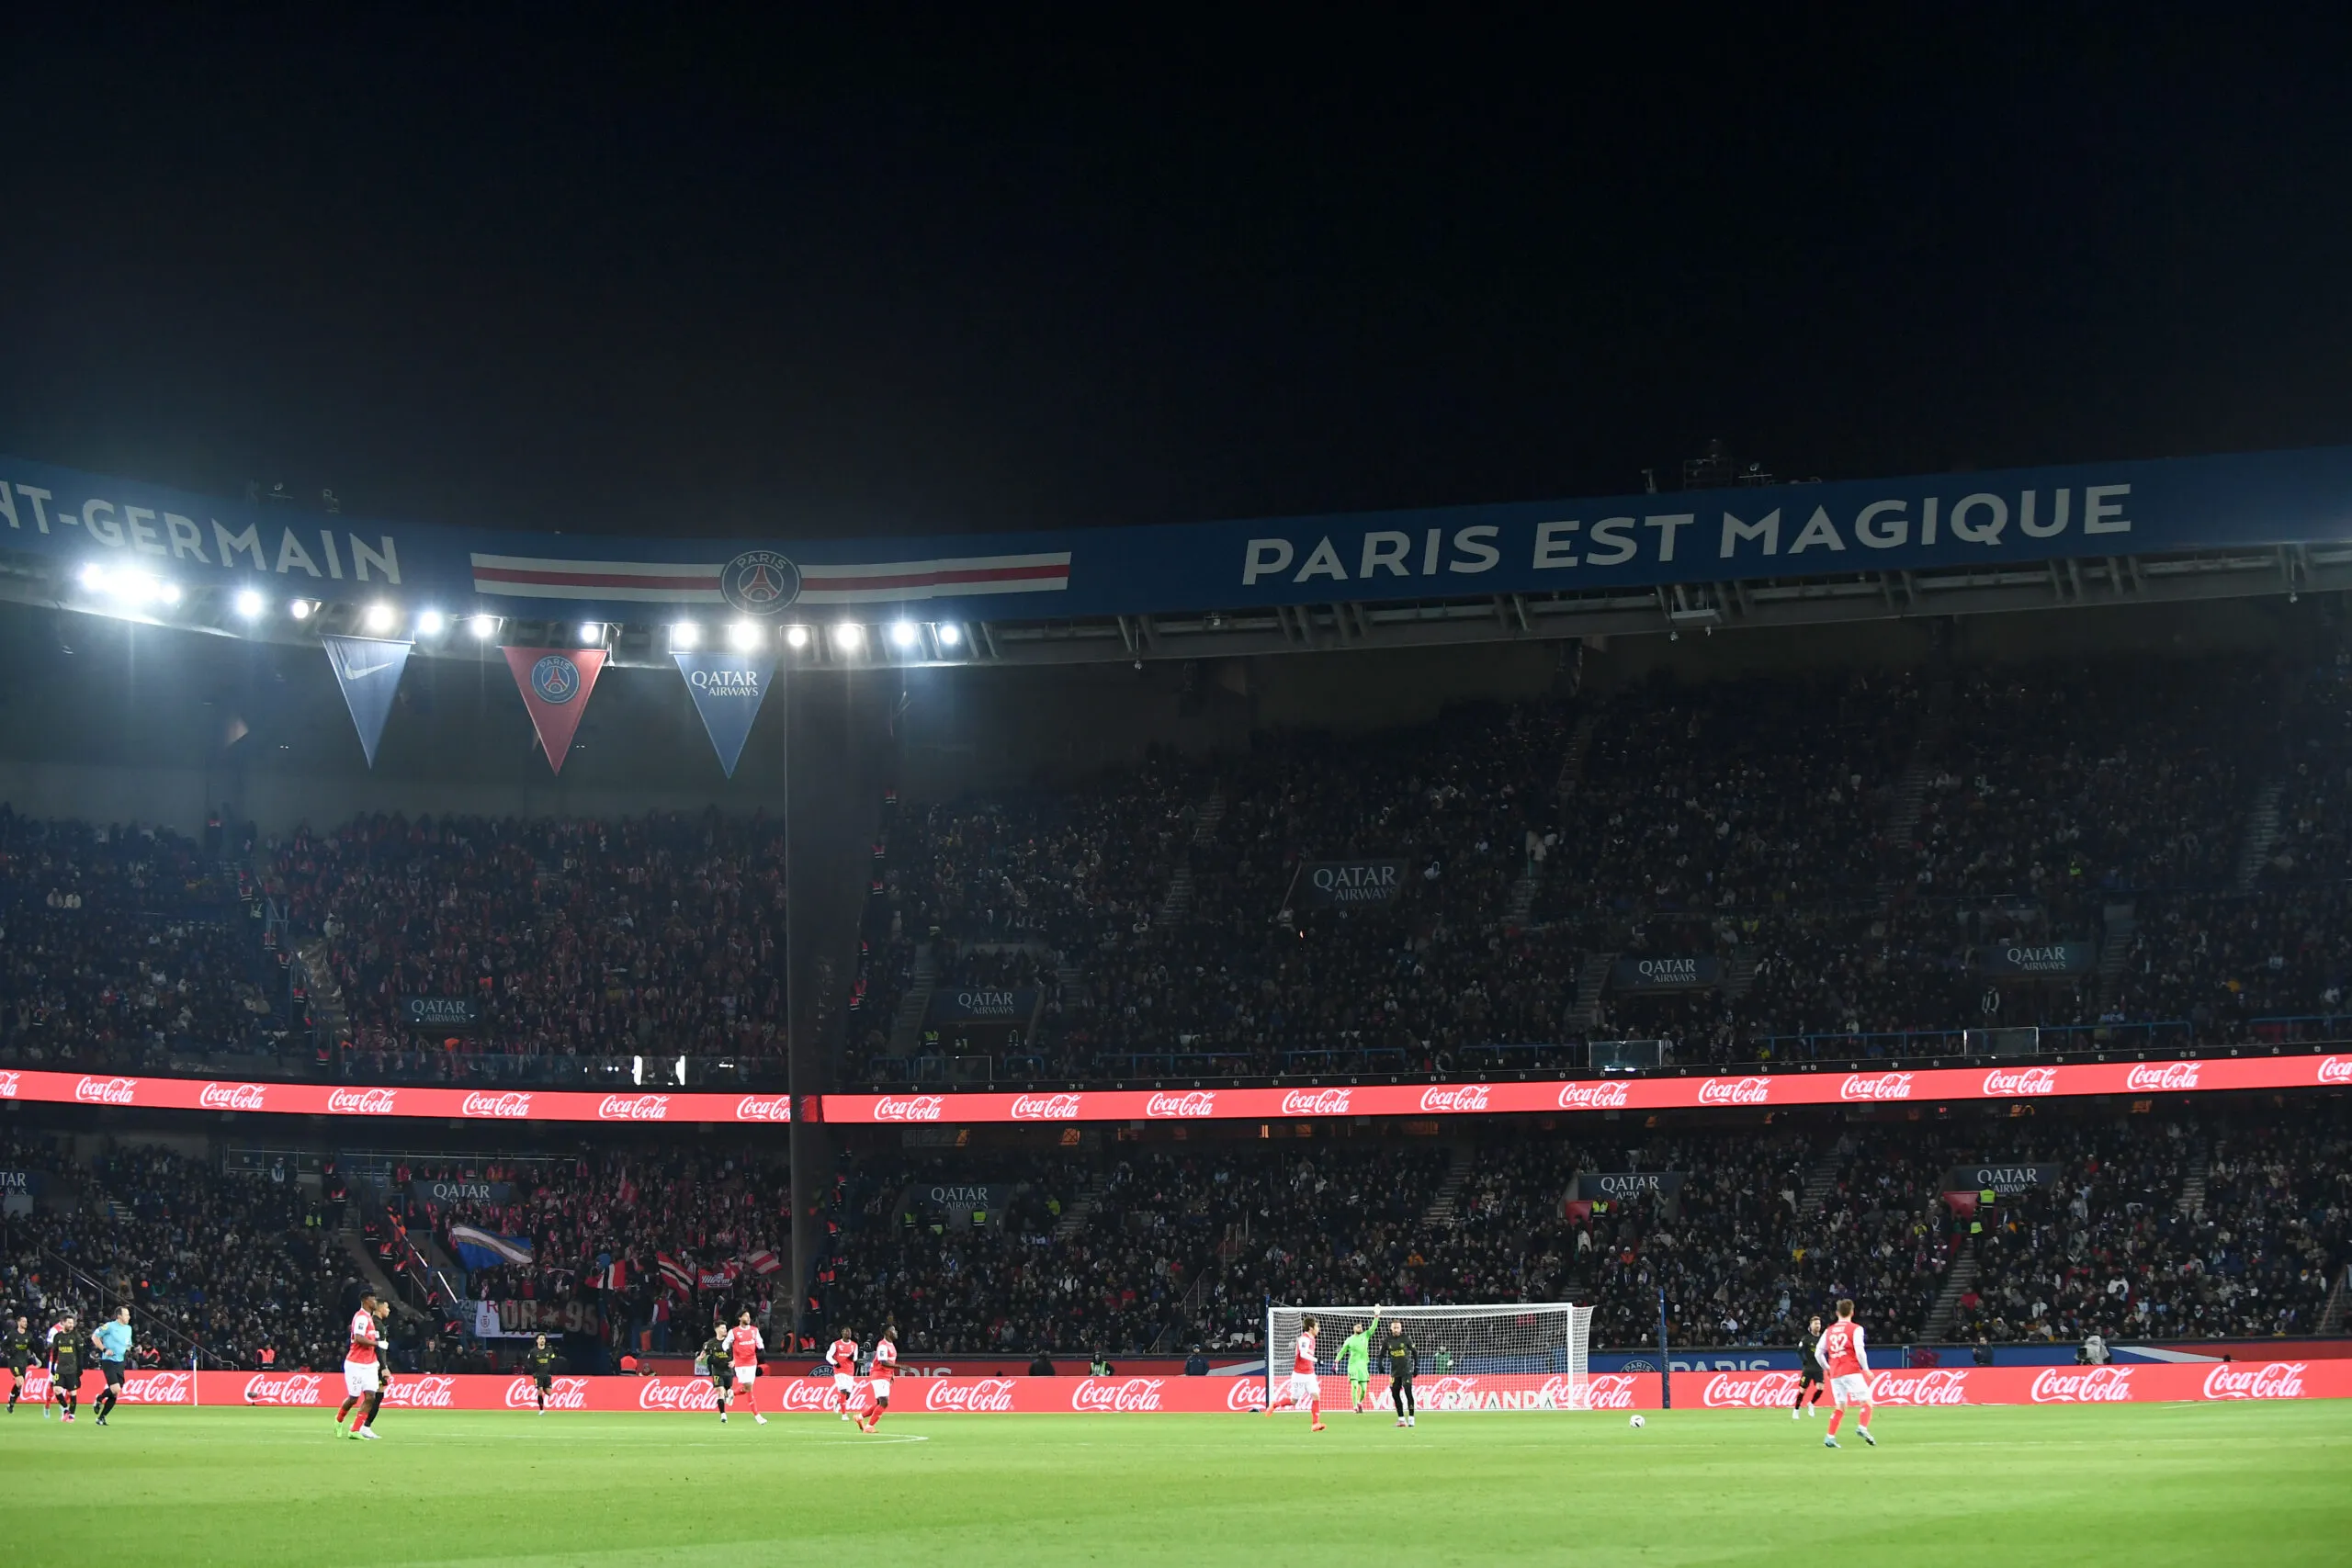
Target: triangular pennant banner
[555, 683]
[727, 690]
[369, 671]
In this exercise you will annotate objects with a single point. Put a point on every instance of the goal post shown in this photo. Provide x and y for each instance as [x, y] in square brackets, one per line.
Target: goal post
[1505, 1356]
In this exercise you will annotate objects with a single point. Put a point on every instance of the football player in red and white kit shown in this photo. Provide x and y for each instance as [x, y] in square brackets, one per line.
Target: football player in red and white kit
[362, 1373]
[1304, 1389]
[1844, 1353]
[842, 1354]
[885, 1368]
[744, 1344]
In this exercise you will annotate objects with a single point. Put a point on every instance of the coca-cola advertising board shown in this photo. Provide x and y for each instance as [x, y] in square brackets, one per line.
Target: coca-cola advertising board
[393, 1101]
[1140, 1393]
[1662, 1093]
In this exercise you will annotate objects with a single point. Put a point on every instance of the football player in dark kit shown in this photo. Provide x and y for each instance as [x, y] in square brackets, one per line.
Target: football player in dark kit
[17, 1346]
[1404, 1360]
[1810, 1378]
[542, 1361]
[718, 1364]
[65, 1369]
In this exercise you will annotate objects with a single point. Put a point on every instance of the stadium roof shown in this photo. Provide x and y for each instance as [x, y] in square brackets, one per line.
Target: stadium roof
[2166, 530]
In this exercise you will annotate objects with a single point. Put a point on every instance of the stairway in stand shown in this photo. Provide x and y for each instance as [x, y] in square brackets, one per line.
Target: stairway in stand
[1590, 980]
[2261, 834]
[1819, 1182]
[906, 1029]
[2120, 922]
[1439, 1215]
[1961, 1275]
[1073, 1219]
[2192, 1186]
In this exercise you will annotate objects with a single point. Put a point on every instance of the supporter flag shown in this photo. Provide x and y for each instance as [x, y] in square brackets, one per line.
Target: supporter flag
[675, 1272]
[555, 683]
[479, 1248]
[369, 671]
[715, 1279]
[763, 1262]
[727, 689]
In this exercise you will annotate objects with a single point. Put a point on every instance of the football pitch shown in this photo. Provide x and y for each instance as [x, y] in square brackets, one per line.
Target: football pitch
[2144, 1485]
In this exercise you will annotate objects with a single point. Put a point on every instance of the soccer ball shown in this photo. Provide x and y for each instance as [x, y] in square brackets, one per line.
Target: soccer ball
[1637, 1423]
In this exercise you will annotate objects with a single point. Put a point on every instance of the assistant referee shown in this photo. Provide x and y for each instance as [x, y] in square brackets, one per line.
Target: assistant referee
[1404, 1360]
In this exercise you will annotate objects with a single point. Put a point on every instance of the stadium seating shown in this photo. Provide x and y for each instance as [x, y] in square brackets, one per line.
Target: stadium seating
[1841, 853]
[1764, 1230]
[720, 1216]
[657, 935]
[223, 1264]
[124, 944]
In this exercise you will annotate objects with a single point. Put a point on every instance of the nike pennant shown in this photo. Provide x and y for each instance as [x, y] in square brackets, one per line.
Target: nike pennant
[369, 671]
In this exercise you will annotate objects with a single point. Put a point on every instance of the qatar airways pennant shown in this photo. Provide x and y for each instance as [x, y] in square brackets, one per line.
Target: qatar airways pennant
[555, 683]
[727, 690]
[369, 671]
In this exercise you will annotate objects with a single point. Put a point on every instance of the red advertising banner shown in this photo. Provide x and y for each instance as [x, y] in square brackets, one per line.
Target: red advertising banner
[1767, 1390]
[345, 1099]
[555, 683]
[2006, 1082]
[1239, 1104]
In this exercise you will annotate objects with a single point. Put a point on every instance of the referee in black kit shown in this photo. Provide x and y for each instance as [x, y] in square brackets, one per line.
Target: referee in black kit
[1404, 1360]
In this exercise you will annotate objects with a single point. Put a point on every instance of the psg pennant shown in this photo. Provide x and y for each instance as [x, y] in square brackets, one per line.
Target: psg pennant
[555, 683]
[369, 671]
[727, 690]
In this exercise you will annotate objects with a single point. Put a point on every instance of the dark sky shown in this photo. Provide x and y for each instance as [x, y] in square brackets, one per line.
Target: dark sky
[671, 275]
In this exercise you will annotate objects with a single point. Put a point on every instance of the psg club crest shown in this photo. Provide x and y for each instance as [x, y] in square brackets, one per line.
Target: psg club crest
[555, 680]
[759, 583]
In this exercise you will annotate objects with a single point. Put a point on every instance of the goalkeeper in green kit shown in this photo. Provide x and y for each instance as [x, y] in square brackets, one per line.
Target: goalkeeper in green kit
[1355, 1356]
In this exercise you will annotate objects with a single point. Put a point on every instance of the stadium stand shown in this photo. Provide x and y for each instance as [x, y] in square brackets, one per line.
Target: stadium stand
[227, 1266]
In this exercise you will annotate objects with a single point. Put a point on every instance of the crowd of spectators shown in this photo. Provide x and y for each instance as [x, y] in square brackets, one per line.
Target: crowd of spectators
[1745, 795]
[2094, 1224]
[123, 944]
[2073, 784]
[721, 1218]
[236, 1268]
[1746, 1232]
[1758, 824]
[660, 935]
[1843, 852]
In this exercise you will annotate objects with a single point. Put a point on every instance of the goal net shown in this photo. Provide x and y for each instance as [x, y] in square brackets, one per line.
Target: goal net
[1513, 1356]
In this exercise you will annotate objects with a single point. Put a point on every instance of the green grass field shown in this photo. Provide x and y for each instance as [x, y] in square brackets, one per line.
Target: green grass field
[2144, 1485]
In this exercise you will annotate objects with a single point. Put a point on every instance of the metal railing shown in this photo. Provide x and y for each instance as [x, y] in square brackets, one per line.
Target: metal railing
[189, 1351]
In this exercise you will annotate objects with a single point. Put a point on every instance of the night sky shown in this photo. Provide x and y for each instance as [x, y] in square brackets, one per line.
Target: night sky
[941, 273]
